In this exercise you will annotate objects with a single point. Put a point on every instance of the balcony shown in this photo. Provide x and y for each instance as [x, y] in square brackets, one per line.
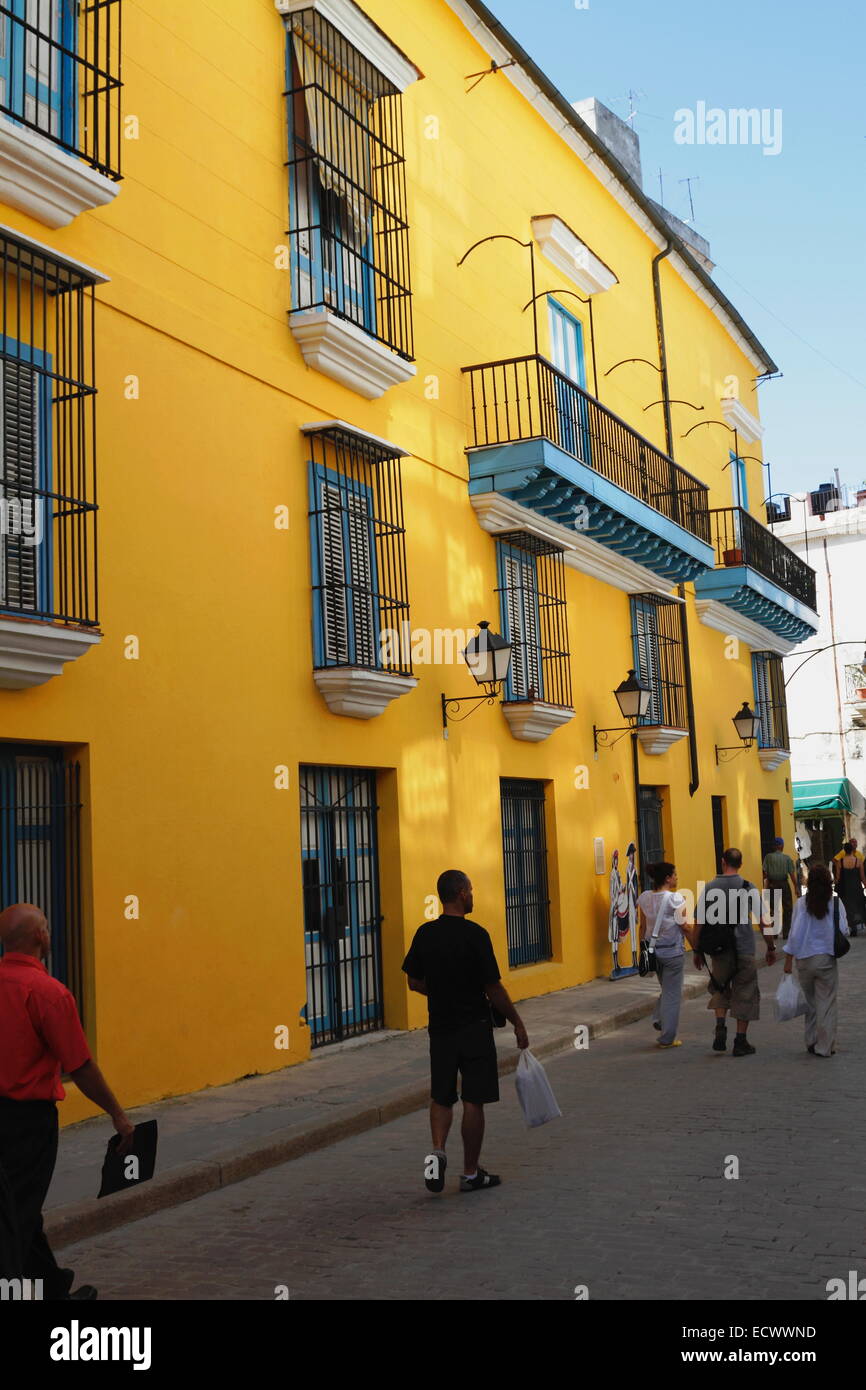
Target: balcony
[546, 455]
[761, 579]
[855, 694]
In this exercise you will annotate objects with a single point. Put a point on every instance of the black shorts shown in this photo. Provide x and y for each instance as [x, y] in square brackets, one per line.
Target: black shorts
[470, 1050]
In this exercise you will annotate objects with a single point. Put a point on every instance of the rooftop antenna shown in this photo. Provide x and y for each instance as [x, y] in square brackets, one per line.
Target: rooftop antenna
[661, 190]
[694, 178]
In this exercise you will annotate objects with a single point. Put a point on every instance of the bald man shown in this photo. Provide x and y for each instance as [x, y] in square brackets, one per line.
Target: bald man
[40, 1037]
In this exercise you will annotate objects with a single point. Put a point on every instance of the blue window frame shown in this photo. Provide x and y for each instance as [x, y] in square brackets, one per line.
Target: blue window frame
[771, 707]
[40, 808]
[26, 504]
[739, 482]
[38, 78]
[659, 659]
[566, 340]
[342, 918]
[344, 570]
[521, 621]
[330, 189]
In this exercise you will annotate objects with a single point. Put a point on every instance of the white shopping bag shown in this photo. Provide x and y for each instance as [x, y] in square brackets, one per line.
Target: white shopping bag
[790, 1000]
[537, 1100]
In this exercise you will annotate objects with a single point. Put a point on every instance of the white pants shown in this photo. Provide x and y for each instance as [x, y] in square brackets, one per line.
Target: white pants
[667, 1009]
[819, 978]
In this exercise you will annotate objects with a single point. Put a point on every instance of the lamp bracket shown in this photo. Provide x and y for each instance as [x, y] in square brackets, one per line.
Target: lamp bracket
[600, 736]
[451, 703]
[733, 750]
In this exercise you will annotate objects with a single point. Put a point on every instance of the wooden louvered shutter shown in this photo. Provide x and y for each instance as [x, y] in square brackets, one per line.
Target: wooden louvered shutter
[647, 657]
[19, 478]
[333, 579]
[522, 618]
[361, 562]
[763, 700]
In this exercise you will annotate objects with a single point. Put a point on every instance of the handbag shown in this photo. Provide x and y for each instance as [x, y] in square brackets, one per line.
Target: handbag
[841, 944]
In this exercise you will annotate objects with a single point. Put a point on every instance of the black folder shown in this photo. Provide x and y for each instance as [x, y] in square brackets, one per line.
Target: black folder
[118, 1174]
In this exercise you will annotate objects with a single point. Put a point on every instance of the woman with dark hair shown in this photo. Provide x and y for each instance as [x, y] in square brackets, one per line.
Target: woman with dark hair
[850, 884]
[810, 943]
[661, 911]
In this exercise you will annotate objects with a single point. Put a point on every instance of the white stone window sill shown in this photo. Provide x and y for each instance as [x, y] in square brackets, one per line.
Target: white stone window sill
[772, 758]
[358, 692]
[39, 178]
[32, 652]
[343, 351]
[534, 720]
[657, 739]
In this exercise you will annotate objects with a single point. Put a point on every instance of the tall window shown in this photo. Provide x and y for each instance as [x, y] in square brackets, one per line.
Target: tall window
[658, 658]
[347, 186]
[60, 74]
[358, 552]
[524, 849]
[40, 847]
[534, 618]
[770, 702]
[47, 400]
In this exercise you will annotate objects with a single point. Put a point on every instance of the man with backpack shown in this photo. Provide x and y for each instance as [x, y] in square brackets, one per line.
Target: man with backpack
[726, 945]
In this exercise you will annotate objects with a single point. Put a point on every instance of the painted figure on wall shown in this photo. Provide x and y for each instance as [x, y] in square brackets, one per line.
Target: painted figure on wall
[622, 920]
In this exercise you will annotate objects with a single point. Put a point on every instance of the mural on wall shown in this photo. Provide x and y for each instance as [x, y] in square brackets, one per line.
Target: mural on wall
[623, 918]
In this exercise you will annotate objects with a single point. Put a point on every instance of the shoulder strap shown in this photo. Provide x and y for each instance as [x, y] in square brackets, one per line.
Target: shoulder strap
[666, 895]
[835, 914]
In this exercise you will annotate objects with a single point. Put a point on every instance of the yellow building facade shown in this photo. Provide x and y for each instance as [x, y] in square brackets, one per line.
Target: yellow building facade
[289, 444]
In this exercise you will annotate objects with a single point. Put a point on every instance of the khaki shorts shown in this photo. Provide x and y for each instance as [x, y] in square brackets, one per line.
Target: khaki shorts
[741, 995]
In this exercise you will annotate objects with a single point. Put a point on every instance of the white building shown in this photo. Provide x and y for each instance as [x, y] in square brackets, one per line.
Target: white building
[827, 695]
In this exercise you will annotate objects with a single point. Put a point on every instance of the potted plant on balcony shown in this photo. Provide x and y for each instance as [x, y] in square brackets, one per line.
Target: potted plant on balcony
[734, 556]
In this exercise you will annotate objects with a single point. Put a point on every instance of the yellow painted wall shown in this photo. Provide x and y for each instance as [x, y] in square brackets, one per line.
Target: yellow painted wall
[181, 745]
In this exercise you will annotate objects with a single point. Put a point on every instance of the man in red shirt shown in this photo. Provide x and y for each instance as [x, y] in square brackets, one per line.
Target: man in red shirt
[40, 1037]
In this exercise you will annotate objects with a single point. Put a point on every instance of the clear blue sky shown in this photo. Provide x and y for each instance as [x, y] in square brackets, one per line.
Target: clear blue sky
[787, 232]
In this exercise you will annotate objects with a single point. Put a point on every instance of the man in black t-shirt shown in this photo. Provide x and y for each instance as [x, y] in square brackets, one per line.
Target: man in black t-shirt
[451, 960]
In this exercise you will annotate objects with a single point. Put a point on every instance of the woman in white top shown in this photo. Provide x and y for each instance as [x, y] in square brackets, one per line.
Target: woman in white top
[810, 943]
[660, 910]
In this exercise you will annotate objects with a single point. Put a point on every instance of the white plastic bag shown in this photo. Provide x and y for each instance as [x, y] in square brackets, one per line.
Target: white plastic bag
[537, 1100]
[790, 1000]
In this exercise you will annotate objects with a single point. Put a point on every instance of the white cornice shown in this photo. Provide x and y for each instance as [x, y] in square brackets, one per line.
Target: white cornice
[32, 652]
[319, 426]
[658, 739]
[497, 514]
[565, 250]
[747, 425]
[734, 624]
[39, 178]
[363, 35]
[773, 758]
[585, 152]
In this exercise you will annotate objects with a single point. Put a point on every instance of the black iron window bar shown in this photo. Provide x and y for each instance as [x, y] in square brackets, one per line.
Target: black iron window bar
[741, 540]
[771, 704]
[358, 539]
[348, 226]
[658, 647]
[61, 75]
[535, 617]
[524, 852]
[47, 438]
[527, 398]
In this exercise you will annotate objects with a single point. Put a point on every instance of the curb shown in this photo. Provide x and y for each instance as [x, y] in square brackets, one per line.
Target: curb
[91, 1217]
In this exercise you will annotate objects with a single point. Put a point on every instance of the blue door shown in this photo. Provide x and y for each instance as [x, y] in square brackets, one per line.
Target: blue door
[342, 921]
[566, 338]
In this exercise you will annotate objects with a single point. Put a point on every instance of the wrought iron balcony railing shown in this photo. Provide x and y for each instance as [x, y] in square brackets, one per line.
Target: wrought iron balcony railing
[741, 540]
[528, 398]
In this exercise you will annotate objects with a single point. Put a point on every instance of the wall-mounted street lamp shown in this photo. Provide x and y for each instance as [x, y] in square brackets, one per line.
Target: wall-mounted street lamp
[633, 698]
[746, 723]
[488, 657]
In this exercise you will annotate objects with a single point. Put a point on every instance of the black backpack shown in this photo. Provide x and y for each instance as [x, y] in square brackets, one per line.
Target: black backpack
[718, 937]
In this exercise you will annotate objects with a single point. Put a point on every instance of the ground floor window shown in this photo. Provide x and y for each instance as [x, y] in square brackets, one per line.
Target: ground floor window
[524, 849]
[767, 826]
[40, 848]
[652, 835]
[342, 920]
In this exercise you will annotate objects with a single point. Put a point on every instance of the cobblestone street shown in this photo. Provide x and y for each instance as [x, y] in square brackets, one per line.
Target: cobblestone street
[626, 1194]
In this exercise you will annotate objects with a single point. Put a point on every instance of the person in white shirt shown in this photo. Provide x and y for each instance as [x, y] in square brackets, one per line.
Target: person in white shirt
[662, 913]
[810, 943]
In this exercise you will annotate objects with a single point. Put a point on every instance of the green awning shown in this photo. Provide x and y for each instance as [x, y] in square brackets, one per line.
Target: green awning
[813, 798]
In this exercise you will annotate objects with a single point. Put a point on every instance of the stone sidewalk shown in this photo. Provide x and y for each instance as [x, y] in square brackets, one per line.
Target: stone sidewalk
[223, 1135]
